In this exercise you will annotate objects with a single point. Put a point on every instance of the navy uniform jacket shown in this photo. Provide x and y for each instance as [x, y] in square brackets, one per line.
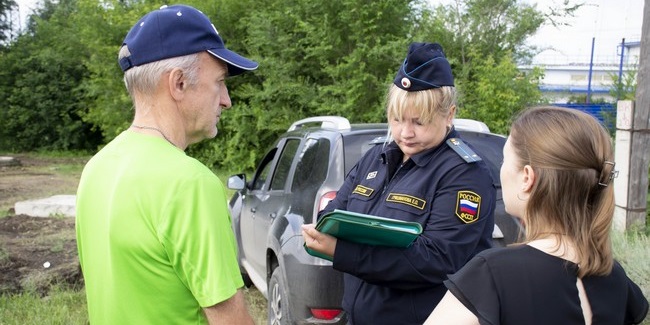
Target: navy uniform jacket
[454, 202]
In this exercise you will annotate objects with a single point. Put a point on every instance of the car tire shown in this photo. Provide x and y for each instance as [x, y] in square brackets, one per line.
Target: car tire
[278, 302]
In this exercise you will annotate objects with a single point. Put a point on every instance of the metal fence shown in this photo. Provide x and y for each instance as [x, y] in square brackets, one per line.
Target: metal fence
[605, 113]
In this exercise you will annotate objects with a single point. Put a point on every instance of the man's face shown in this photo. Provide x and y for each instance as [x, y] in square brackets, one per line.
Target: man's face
[205, 100]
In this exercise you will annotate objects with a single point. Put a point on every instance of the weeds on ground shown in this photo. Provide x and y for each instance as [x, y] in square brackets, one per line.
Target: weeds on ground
[632, 250]
[60, 306]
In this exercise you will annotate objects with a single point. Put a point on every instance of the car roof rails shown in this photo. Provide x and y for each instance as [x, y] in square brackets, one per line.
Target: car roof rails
[470, 125]
[330, 122]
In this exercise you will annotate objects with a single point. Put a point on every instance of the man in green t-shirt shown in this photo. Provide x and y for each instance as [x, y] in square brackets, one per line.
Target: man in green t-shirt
[153, 228]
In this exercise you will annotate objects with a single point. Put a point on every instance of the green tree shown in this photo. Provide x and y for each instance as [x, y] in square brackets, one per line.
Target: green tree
[102, 27]
[624, 88]
[499, 90]
[484, 41]
[316, 58]
[7, 14]
[63, 84]
[40, 74]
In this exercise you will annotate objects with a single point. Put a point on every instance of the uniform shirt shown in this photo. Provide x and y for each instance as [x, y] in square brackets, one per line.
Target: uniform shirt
[454, 202]
[154, 235]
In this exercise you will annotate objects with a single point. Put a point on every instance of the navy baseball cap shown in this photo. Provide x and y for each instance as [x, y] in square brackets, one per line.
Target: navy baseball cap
[175, 31]
[425, 67]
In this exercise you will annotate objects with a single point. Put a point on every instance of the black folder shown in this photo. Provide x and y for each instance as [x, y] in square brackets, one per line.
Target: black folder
[366, 229]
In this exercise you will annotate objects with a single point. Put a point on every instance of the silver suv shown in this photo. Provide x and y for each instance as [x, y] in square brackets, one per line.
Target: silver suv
[298, 176]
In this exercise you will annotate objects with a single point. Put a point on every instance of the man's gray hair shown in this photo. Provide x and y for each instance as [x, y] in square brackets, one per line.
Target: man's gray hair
[145, 78]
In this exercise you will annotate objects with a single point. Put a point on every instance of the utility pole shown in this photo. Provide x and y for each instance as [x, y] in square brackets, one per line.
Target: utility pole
[633, 143]
[591, 69]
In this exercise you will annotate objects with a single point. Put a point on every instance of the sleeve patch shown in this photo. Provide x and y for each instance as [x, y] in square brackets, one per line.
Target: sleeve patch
[468, 206]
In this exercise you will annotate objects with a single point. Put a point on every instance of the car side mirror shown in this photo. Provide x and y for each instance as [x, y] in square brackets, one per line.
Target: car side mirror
[237, 182]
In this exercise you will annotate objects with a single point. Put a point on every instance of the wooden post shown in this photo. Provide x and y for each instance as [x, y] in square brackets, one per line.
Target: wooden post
[633, 127]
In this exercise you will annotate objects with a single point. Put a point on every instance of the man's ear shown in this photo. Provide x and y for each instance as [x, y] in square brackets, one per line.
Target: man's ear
[177, 83]
[529, 178]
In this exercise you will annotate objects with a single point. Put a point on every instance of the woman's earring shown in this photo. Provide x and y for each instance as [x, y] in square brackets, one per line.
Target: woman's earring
[520, 199]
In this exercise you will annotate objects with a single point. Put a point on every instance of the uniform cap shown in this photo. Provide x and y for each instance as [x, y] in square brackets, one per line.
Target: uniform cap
[425, 67]
[174, 31]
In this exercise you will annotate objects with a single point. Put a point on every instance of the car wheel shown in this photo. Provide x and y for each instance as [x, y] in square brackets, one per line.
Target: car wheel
[278, 304]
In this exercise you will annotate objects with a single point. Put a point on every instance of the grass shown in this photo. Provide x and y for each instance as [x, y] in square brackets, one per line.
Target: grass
[59, 307]
[632, 250]
[68, 306]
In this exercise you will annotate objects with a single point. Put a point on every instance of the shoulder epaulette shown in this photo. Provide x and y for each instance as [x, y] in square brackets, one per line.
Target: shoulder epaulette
[463, 150]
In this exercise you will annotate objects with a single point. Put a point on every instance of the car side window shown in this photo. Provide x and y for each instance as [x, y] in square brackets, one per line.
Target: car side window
[262, 175]
[311, 169]
[284, 164]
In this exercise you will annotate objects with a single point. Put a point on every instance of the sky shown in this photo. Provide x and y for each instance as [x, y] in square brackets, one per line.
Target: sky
[606, 22]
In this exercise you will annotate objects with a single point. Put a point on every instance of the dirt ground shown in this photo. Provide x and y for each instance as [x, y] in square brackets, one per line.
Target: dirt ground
[37, 252]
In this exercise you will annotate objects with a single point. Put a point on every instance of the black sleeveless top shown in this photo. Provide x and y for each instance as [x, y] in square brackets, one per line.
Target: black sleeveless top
[523, 285]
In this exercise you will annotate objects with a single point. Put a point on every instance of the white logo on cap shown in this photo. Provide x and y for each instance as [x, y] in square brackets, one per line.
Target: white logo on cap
[406, 83]
[179, 14]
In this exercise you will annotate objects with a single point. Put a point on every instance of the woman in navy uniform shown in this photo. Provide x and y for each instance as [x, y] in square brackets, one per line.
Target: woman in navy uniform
[425, 173]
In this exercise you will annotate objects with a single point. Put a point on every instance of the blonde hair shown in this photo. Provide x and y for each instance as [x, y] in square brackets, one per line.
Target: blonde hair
[430, 103]
[571, 155]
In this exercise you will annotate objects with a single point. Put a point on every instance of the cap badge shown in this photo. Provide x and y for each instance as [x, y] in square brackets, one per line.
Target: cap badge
[406, 83]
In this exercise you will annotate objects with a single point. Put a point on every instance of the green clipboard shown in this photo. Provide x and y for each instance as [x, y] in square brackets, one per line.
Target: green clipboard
[366, 229]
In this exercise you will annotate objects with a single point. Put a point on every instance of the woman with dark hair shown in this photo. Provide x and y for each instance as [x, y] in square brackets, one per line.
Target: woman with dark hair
[557, 178]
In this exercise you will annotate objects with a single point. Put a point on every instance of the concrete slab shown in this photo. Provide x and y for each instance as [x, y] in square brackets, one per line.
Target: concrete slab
[55, 205]
[6, 161]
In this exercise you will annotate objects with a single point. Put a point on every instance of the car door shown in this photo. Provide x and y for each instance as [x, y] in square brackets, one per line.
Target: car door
[265, 201]
[276, 201]
[250, 203]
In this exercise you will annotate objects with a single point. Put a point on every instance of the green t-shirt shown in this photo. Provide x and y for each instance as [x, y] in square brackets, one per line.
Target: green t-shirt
[154, 235]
